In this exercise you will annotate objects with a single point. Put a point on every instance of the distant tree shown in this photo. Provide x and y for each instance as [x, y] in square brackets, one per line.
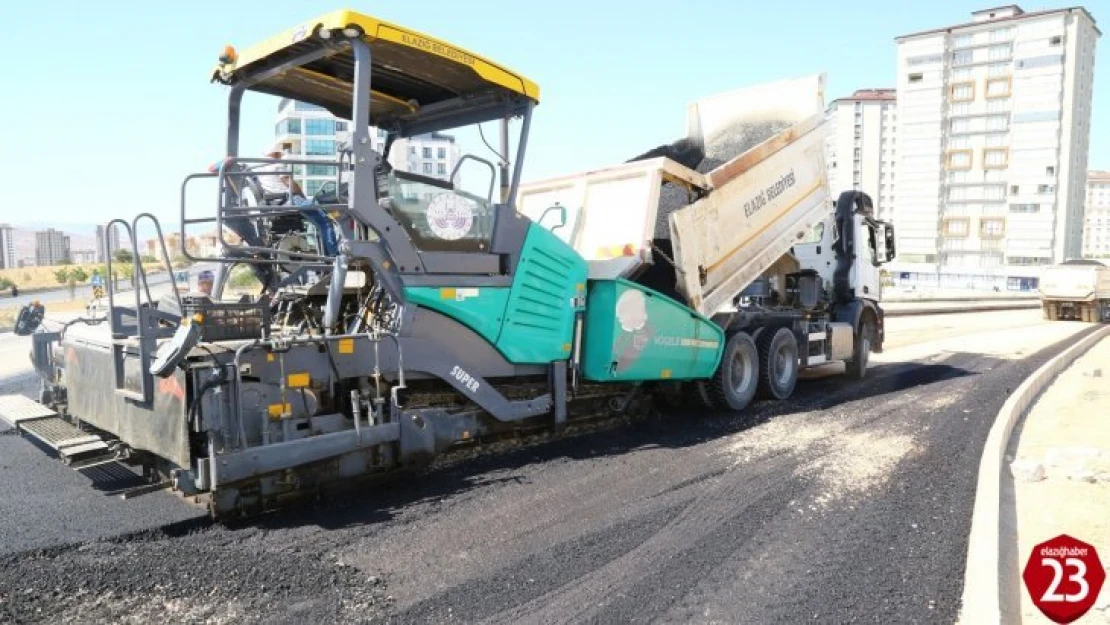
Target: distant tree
[61, 275]
[65, 262]
[6, 283]
[148, 259]
[79, 274]
[123, 256]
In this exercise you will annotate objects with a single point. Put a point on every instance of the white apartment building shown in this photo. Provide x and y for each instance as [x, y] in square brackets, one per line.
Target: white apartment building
[7, 247]
[310, 132]
[1096, 221]
[993, 131]
[861, 147]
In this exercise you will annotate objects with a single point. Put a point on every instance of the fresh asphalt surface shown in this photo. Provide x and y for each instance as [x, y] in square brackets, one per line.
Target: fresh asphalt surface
[849, 502]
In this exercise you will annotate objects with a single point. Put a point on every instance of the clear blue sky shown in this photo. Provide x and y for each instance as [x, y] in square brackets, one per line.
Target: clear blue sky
[108, 104]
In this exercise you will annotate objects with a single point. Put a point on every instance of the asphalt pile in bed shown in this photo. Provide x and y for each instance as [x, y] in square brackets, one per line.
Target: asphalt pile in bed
[722, 147]
[719, 149]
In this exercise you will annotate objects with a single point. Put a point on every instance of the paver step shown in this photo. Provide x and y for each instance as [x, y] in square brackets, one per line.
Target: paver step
[32, 418]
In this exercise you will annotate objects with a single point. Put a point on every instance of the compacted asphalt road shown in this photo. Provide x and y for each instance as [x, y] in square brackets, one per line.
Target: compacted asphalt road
[850, 502]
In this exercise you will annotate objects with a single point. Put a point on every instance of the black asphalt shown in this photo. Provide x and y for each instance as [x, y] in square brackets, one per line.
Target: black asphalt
[849, 503]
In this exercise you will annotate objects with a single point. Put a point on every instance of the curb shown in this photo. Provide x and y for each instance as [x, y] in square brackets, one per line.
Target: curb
[911, 312]
[982, 600]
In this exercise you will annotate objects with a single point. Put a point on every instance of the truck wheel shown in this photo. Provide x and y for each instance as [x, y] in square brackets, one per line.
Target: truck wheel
[778, 364]
[733, 385]
[856, 368]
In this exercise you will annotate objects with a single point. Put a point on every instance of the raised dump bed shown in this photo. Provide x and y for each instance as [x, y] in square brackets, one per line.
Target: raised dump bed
[765, 185]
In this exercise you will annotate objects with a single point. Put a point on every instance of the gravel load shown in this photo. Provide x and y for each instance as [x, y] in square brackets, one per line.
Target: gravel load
[722, 147]
[719, 149]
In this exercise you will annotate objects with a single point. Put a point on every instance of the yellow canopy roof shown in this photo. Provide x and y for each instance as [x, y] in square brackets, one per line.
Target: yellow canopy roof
[406, 67]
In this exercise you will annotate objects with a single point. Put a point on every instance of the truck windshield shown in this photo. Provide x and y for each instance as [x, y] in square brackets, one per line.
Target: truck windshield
[439, 217]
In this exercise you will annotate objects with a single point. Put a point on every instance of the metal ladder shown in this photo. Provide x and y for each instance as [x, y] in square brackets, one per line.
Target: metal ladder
[135, 331]
[76, 447]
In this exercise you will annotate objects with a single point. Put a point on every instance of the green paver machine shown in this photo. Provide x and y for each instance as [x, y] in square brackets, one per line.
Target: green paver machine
[444, 316]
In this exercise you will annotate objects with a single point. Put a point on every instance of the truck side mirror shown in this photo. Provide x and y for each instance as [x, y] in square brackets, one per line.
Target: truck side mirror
[888, 241]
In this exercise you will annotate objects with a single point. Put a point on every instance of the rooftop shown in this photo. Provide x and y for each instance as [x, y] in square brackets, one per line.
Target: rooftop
[1007, 13]
[864, 95]
[1096, 175]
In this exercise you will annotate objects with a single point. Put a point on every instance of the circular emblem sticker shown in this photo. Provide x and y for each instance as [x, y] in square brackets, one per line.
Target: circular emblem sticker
[449, 216]
[631, 310]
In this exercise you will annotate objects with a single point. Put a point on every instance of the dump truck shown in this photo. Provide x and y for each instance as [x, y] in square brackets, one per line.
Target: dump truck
[1076, 289]
[699, 274]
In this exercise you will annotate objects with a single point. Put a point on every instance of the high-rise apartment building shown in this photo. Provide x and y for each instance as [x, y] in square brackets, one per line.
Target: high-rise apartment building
[861, 148]
[7, 247]
[102, 251]
[1096, 221]
[310, 132]
[51, 247]
[993, 130]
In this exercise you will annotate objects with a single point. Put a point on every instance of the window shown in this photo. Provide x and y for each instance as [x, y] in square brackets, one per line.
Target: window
[289, 127]
[961, 92]
[1002, 34]
[427, 152]
[996, 158]
[1025, 208]
[998, 87]
[915, 77]
[961, 74]
[1014, 189]
[998, 69]
[319, 147]
[1046, 189]
[963, 108]
[441, 169]
[412, 150]
[997, 53]
[991, 228]
[997, 106]
[923, 59]
[961, 57]
[321, 170]
[959, 143]
[996, 122]
[959, 159]
[1055, 41]
[319, 127]
[312, 186]
[342, 127]
[1050, 171]
[960, 125]
[956, 226]
[957, 176]
[441, 153]
[428, 166]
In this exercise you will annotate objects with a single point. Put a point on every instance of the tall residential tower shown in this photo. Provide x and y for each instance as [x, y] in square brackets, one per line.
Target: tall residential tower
[993, 131]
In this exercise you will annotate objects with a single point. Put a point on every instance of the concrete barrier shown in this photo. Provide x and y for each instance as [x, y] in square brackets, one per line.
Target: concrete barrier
[955, 309]
[991, 595]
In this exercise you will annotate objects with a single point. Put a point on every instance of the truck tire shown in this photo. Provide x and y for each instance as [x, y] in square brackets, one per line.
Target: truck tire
[856, 368]
[778, 363]
[734, 384]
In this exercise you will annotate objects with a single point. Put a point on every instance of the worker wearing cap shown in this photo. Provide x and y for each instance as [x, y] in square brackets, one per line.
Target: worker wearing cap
[285, 184]
[205, 280]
